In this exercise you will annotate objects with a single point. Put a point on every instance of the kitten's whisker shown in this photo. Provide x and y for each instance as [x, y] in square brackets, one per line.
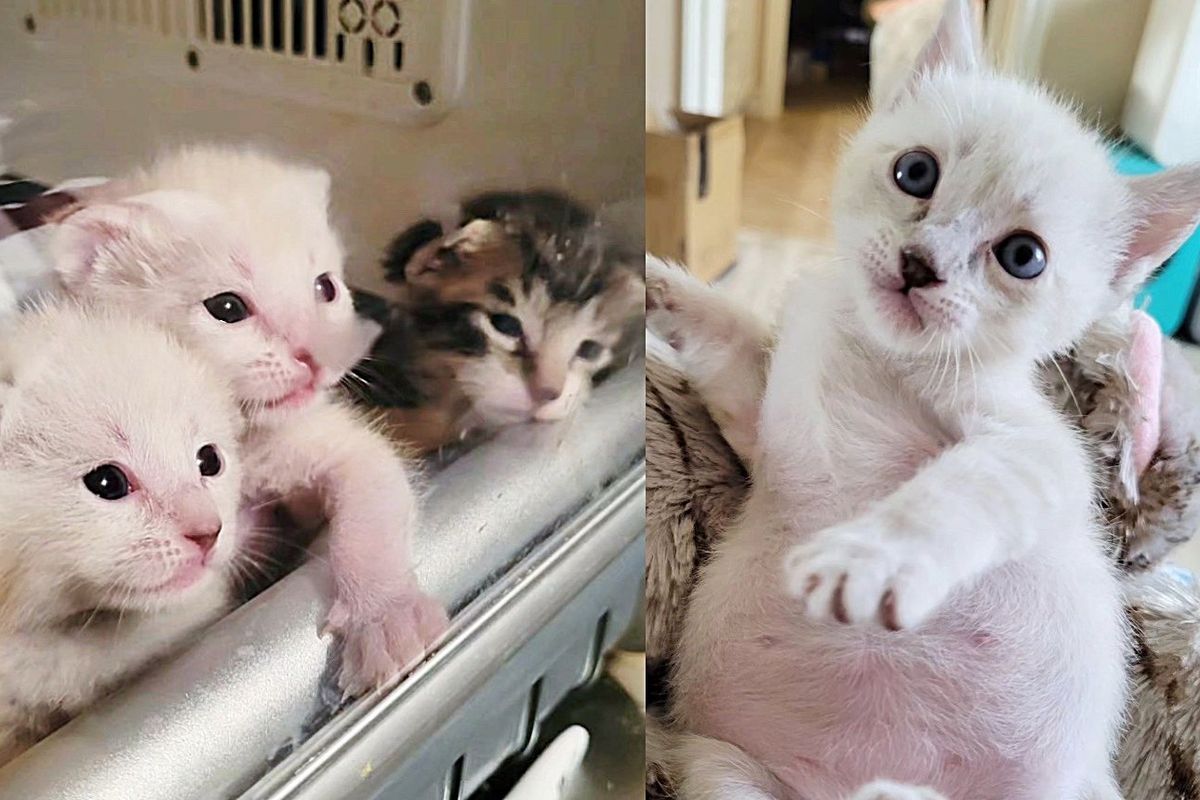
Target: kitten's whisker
[1067, 383]
[802, 207]
[974, 381]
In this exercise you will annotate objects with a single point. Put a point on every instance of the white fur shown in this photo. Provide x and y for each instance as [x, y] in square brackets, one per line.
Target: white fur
[205, 221]
[723, 348]
[78, 390]
[909, 474]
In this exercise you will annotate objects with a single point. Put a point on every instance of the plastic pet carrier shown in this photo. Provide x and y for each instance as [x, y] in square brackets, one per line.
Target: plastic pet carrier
[534, 537]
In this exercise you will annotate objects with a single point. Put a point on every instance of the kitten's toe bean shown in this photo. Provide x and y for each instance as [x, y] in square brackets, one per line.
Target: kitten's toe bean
[916, 591]
[383, 641]
[887, 790]
[855, 575]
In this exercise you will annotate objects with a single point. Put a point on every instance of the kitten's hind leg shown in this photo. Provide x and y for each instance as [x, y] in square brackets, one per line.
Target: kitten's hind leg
[722, 348]
[709, 769]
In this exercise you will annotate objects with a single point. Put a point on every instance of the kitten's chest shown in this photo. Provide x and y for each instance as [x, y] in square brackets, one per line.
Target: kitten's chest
[870, 434]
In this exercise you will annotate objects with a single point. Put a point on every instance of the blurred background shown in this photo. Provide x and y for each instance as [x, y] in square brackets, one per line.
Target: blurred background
[748, 103]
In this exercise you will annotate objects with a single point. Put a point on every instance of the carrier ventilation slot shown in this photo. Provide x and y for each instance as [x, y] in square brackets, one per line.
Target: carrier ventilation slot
[342, 31]
[164, 17]
[596, 651]
[453, 786]
[530, 726]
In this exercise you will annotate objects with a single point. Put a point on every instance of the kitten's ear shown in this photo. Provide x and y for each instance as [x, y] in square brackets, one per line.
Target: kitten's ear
[955, 44]
[1166, 210]
[84, 234]
[411, 243]
[627, 294]
[480, 244]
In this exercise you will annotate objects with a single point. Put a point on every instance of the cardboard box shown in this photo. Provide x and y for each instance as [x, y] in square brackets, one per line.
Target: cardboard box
[694, 193]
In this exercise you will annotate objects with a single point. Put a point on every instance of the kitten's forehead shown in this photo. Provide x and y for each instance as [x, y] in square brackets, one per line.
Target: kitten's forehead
[544, 317]
[106, 388]
[1005, 149]
[983, 117]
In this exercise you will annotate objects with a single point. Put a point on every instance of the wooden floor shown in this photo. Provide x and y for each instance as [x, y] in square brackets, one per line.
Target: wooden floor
[790, 162]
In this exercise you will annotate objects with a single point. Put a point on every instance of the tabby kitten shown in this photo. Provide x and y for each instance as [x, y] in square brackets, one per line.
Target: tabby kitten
[510, 317]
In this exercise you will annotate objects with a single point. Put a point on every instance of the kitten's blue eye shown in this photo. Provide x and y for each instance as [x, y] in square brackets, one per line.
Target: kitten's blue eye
[1022, 255]
[588, 349]
[108, 482]
[507, 324]
[227, 307]
[916, 173]
[208, 460]
[325, 288]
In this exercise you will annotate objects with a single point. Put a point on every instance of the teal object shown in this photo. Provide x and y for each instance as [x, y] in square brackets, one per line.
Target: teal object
[1167, 296]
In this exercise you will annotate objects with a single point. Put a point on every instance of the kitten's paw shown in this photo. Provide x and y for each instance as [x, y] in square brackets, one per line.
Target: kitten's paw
[887, 790]
[386, 640]
[670, 291]
[864, 573]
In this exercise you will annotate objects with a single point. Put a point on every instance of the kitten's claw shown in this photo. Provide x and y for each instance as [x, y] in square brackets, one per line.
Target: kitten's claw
[887, 790]
[862, 573]
[381, 642]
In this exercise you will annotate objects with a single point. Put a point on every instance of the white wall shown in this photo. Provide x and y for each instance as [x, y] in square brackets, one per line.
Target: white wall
[662, 61]
[548, 99]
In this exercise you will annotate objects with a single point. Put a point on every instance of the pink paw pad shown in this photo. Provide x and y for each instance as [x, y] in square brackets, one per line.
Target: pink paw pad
[383, 641]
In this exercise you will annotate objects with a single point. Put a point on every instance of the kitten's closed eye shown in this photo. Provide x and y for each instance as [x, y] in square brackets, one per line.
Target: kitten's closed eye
[108, 482]
[507, 324]
[227, 307]
[1022, 255]
[916, 173]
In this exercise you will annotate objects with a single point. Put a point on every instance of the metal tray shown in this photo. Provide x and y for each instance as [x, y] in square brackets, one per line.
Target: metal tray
[536, 536]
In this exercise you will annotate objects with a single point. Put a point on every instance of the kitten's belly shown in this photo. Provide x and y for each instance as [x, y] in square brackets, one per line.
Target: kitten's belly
[979, 700]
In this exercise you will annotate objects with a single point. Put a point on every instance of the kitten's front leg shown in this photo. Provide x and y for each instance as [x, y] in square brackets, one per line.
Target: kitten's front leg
[386, 622]
[723, 349]
[980, 503]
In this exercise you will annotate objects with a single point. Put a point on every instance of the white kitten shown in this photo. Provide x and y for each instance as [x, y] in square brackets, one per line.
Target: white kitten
[120, 487]
[917, 591]
[234, 253]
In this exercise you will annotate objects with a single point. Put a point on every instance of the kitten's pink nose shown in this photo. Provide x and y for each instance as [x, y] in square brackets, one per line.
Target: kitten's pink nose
[204, 539]
[546, 394]
[197, 517]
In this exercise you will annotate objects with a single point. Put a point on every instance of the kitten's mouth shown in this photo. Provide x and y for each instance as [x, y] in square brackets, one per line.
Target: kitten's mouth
[898, 308]
[185, 576]
[295, 398]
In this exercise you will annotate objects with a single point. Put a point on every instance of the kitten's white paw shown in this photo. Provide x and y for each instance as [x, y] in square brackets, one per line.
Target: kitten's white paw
[381, 641]
[887, 790]
[674, 300]
[864, 573]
